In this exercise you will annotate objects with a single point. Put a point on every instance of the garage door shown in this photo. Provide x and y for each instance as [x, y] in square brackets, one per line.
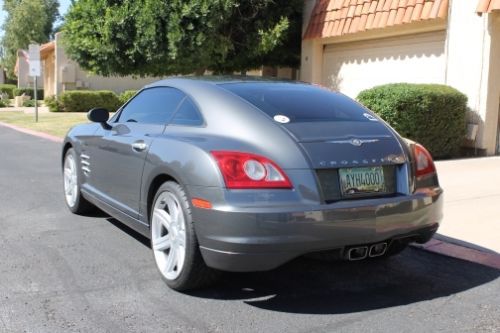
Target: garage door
[352, 67]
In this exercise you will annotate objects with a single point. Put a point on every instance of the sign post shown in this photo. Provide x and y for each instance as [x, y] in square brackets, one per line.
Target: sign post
[35, 71]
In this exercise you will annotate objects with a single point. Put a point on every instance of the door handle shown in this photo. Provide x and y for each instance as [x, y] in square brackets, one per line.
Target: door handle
[139, 146]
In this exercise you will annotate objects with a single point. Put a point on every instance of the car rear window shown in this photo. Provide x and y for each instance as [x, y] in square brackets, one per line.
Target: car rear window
[299, 102]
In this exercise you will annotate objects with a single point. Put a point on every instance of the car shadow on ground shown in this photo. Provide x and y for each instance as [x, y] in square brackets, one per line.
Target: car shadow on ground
[131, 232]
[311, 286]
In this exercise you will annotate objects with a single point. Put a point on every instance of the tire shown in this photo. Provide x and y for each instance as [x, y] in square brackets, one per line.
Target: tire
[174, 243]
[76, 203]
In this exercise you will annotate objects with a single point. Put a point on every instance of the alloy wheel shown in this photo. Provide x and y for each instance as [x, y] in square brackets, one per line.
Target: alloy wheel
[70, 180]
[168, 235]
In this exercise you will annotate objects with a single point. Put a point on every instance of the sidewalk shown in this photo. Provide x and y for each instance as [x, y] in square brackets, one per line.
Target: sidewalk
[41, 109]
[471, 201]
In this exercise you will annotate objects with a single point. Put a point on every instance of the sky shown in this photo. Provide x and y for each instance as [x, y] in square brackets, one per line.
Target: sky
[63, 8]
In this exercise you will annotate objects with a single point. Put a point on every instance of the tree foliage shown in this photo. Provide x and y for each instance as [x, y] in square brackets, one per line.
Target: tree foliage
[27, 21]
[158, 37]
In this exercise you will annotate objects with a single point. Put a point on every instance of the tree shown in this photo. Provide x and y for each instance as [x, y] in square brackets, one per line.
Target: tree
[27, 21]
[158, 37]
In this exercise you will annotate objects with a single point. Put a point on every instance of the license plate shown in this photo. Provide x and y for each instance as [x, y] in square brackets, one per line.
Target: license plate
[364, 180]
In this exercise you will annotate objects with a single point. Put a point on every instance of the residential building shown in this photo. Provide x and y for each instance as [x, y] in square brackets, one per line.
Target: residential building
[22, 71]
[352, 45]
[59, 73]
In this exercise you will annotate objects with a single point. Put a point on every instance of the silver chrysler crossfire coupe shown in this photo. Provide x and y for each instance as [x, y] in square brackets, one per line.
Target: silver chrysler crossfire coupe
[245, 174]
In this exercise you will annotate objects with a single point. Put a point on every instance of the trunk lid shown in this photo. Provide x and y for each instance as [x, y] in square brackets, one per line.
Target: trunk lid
[344, 144]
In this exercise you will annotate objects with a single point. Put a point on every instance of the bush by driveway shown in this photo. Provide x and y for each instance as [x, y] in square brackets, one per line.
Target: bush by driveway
[431, 114]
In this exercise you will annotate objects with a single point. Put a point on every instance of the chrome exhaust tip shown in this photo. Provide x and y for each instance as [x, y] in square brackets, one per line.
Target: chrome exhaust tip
[357, 253]
[377, 250]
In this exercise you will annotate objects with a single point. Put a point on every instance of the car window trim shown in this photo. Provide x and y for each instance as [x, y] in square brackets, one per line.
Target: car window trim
[197, 109]
[119, 112]
[176, 109]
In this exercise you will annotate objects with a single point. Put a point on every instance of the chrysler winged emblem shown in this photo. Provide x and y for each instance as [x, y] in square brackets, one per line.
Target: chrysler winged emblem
[355, 142]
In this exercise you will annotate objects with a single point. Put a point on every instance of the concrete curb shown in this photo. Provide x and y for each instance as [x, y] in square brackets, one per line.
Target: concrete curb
[485, 258]
[42, 135]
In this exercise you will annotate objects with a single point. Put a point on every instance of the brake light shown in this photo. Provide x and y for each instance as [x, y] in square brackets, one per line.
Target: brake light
[247, 171]
[424, 164]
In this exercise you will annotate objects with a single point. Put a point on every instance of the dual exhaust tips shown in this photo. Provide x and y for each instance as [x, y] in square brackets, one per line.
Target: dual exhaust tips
[361, 252]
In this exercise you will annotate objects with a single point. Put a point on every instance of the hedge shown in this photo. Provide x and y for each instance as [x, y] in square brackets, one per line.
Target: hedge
[53, 104]
[29, 92]
[8, 88]
[126, 95]
[3, 104]
[431, 114]
[30, 103]
[83, 101]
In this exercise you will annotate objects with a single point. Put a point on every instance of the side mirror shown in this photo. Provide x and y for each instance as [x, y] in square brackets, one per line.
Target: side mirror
[99, 115]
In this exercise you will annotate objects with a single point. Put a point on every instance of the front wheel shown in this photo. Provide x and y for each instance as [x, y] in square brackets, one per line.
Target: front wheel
[76, 203]
[173, 240]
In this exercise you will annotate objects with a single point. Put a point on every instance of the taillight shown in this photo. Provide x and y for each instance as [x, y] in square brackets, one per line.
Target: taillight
[424, 164]
[245, 171]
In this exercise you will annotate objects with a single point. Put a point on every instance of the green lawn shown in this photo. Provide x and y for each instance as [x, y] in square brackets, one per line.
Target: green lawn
[52, 123]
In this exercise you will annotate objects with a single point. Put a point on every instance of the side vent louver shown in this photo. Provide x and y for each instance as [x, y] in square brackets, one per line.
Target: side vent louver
[84, 162]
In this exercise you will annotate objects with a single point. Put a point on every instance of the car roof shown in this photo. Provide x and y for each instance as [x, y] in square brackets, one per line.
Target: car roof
[219, 80]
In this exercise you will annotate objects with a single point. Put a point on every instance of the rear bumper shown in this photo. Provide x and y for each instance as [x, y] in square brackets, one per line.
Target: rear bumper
[256, 239]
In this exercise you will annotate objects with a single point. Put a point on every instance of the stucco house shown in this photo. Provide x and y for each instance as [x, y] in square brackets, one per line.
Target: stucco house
[22, 71]
[60, 74]
[351, 45]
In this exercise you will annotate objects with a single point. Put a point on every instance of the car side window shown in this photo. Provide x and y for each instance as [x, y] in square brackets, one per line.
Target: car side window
[187, 114]
[152, 106]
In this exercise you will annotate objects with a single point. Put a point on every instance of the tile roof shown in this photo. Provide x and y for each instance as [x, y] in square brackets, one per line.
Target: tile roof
[332, 18]
[487, 6]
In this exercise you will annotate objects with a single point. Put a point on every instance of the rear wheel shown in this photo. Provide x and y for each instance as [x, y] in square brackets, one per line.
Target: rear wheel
[174, 243]
[76, 203]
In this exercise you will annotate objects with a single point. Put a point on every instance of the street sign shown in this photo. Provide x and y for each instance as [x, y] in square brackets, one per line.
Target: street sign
[35, 68]
[34, 52]
[34, 60]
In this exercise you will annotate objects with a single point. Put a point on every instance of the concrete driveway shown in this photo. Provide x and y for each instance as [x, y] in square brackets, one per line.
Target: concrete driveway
[472, 200]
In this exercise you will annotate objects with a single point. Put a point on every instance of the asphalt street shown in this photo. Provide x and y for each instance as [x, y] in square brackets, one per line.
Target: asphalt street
[65, 273]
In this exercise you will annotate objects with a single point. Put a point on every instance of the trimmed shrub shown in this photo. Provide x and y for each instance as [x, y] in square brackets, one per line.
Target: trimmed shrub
[431, 114]
[29, 103]
[3, 104]
[126, 95]
[8, 88]
[53, 104]
[29, 92]
[84, 100]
